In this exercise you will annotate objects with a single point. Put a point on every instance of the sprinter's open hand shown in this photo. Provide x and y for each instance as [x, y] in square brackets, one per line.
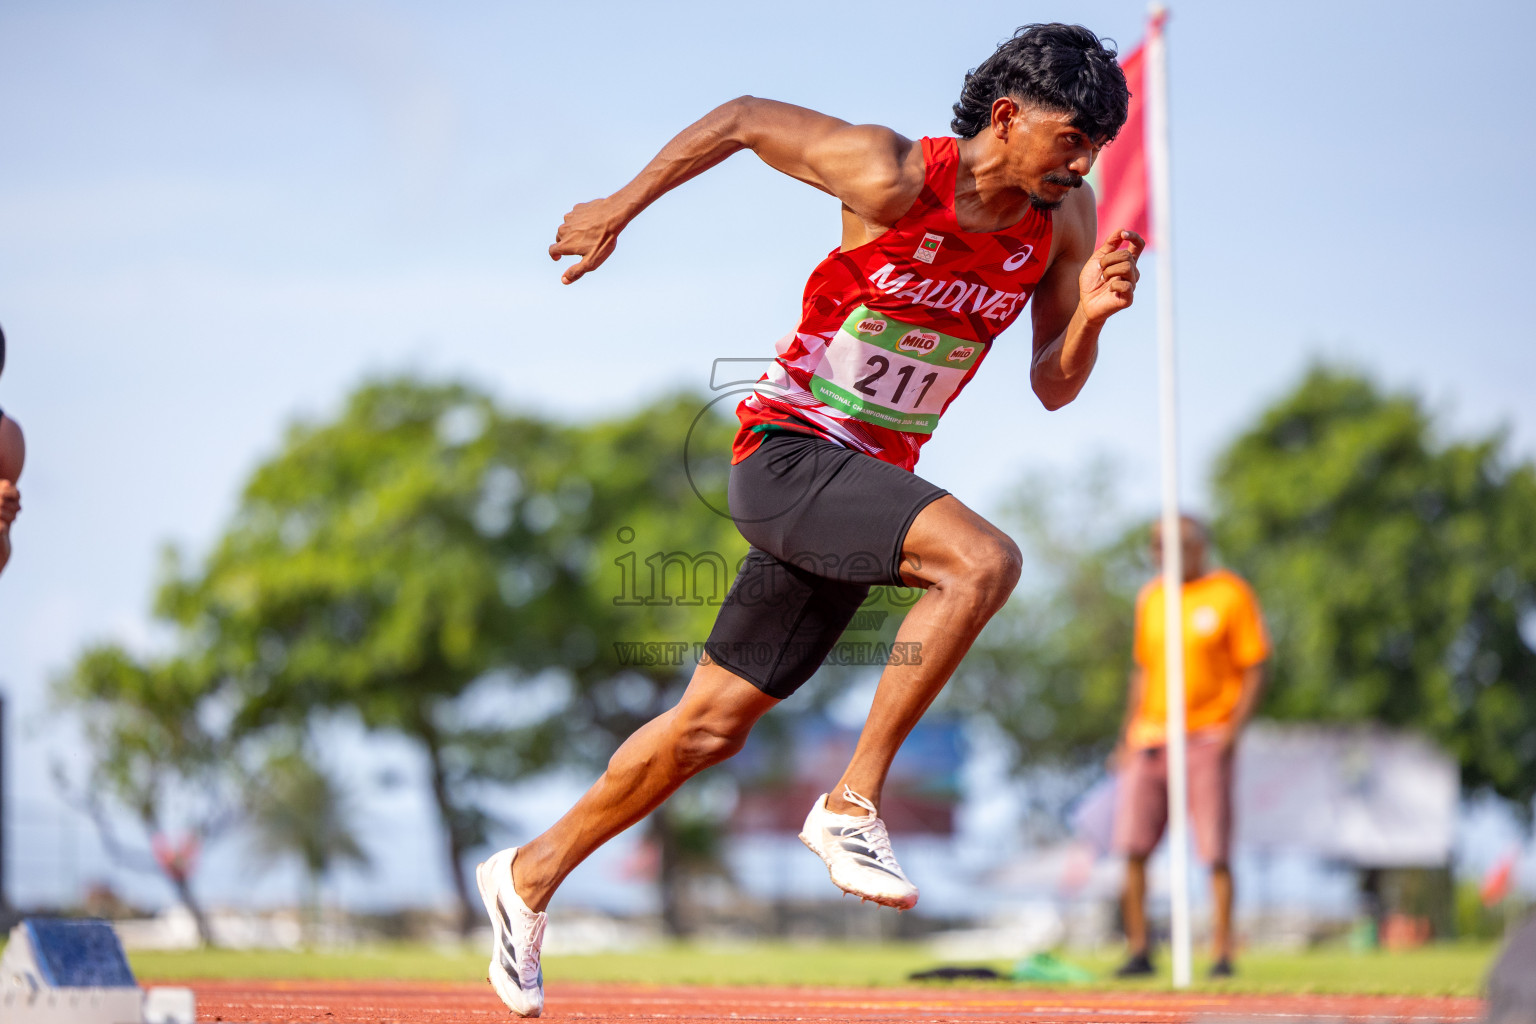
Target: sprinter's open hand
[590, 231]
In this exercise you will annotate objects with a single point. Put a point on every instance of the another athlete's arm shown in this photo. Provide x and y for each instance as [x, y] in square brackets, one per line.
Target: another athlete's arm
[870, 168]
[13, 453]
[1132, 705]
[1247, 704]
[1082, 288]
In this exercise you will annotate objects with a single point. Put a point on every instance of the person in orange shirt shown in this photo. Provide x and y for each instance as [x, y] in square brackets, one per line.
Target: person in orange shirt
[1225, 647]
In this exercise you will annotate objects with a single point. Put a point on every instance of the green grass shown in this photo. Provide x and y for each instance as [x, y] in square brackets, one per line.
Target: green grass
[1451, 968]
[1448, 969]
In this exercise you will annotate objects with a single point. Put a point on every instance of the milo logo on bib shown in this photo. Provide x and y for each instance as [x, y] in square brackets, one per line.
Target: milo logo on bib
[919, 341]
[892, 374]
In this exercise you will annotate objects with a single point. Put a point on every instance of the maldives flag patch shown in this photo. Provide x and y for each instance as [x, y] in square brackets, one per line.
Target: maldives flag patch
[928, 248]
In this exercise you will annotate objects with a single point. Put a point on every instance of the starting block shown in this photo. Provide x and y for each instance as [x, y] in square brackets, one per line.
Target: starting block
[59, 971]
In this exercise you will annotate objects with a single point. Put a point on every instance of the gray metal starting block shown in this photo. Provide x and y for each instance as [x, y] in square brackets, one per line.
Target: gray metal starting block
[59, 971]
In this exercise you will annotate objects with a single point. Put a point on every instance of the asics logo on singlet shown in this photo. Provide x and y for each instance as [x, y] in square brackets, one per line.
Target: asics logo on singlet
[1018, 259]
[960, 296]
[871, 326]
[918, 341]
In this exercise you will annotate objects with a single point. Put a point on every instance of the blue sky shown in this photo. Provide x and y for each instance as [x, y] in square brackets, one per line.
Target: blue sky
[216, 218]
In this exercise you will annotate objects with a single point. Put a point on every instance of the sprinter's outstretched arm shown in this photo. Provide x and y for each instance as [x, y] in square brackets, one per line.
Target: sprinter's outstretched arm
[876, 172]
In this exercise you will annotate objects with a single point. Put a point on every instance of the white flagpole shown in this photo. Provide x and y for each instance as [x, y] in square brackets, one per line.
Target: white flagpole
[1173, 569]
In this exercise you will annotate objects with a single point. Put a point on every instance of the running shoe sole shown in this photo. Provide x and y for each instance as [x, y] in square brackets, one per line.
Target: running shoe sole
[895, 902]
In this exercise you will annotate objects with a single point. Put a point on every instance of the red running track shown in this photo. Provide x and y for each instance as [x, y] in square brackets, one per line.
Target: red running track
[282, 1002]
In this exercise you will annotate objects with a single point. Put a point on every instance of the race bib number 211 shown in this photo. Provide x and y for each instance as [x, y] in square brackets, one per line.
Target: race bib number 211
[892, 374]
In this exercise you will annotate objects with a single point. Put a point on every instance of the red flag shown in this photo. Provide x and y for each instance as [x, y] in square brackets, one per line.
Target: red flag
[177, 859]
[1120, 175]
[1499, 879]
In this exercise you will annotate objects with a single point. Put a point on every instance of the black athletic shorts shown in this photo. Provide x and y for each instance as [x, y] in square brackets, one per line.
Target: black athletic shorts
[825, 523]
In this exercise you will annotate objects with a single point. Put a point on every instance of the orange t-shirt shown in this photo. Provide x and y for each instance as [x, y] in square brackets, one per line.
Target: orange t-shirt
[1223, 635]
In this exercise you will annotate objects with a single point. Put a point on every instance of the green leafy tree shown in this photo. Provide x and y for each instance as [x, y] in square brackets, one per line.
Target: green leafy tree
[512, 594]
[382, 564]
[152, 749]
[1396, 568]
[294, 809]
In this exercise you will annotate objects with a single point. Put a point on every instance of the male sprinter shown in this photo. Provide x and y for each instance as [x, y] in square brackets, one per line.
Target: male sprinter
[13, 452]
[943, 242]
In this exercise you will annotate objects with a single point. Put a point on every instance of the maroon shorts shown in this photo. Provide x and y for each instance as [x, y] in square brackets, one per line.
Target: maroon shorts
[1141, 805]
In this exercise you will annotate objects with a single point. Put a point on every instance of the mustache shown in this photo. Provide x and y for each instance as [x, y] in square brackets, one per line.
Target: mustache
[1069, 180]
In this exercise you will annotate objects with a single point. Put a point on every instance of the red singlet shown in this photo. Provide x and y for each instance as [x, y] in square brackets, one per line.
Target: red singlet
[891, 331]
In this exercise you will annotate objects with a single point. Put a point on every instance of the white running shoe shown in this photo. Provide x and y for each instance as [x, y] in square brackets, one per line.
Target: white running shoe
[516, 935]
[858, 854]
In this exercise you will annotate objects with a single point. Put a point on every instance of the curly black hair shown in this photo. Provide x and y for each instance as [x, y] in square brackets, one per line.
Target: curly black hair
[1063, 68]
